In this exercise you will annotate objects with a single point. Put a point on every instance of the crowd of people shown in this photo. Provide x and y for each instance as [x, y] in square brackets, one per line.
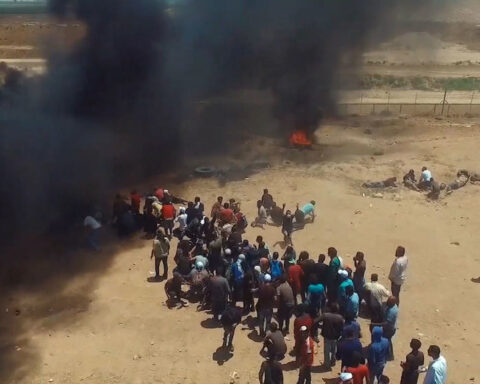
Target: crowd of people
[216, 267]
[427, 183]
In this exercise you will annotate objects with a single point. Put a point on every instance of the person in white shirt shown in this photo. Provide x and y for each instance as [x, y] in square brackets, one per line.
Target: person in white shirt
[261, 218]
[398, 271]
[181, 219]
[425, 179]
[94, 225]
[376, 294]
[437, 369]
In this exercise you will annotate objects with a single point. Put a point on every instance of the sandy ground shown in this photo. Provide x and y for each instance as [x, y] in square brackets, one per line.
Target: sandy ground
[110, 325]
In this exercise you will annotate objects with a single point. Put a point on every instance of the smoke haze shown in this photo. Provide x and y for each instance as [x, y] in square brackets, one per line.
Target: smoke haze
[115, 105]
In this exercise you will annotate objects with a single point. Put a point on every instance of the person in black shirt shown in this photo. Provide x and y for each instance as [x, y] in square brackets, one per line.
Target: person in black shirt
[321, 270]
[270, 372]
[287, 227]
[412, 363]
[231, 317]
[276, 213]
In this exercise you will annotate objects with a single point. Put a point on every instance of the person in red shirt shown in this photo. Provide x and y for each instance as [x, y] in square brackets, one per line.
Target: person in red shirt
[295, 278]
[306, 356]
[135, 200]
[159, 194]
[303, 319]
[358, 369]
[168, 217]
[226, 215]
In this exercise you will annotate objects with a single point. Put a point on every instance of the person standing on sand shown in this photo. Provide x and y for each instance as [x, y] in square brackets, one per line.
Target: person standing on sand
[412, 363]
[217, 206]
[267, 200]
[270, 372]
[332, 275]
[219, 292]
[332, 328]
[265, 303]
[377, 354]
[307, 351]
[160, 250]
[358, 369]
[375, 294]
[398, 272]
[359, 274]
[287, 227]
[231, 317]
[437, 369]
[286, 304]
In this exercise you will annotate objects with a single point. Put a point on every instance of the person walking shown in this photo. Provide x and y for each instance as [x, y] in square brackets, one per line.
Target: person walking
[231, 317]
[398, 271]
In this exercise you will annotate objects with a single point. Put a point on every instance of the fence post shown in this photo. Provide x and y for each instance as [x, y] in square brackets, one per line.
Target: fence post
[444, 100]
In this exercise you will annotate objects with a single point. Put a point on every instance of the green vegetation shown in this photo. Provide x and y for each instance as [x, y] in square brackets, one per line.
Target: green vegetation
[421, 83]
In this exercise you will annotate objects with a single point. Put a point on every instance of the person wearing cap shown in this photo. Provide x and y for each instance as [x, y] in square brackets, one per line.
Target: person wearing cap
[437, 369]
[346, 378]
[302, 319]
[345, 282]
[307, 351]
[266, 301]
[398, 272]
[377, 354]
[198, 279]
[231, 317]
[160, 250]
[358, 369]
[412, 363]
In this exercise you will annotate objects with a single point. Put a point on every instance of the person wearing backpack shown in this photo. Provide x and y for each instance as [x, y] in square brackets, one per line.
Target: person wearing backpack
[276, 267]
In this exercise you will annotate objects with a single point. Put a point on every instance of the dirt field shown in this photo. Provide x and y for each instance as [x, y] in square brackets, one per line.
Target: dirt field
[110, 325]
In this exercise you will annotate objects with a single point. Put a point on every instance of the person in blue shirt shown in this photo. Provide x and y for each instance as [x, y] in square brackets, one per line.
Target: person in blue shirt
[306, 213]
[351, 323]
[377, 354]
[347, 347]
[345, 282]
[390, 322]
[353, 303]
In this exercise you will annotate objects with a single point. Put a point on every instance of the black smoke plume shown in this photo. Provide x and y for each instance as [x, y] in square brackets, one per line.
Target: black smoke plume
[114, 107]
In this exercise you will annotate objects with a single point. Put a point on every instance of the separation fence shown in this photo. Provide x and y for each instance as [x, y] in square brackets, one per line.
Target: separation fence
[454, 104]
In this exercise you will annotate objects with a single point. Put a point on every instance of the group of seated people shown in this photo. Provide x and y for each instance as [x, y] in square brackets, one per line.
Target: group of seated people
[427, 182]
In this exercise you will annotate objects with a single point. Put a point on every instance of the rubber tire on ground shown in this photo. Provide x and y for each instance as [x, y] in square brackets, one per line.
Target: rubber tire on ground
[205, 171]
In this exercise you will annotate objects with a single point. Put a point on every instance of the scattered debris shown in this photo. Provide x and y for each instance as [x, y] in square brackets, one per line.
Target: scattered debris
[378, 153]
[367, 131]
[358, 212]
[455, 243]
[378, 195]
[137, 357]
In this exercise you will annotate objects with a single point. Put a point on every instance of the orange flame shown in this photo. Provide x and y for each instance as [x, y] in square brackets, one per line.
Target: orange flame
[300, 138]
